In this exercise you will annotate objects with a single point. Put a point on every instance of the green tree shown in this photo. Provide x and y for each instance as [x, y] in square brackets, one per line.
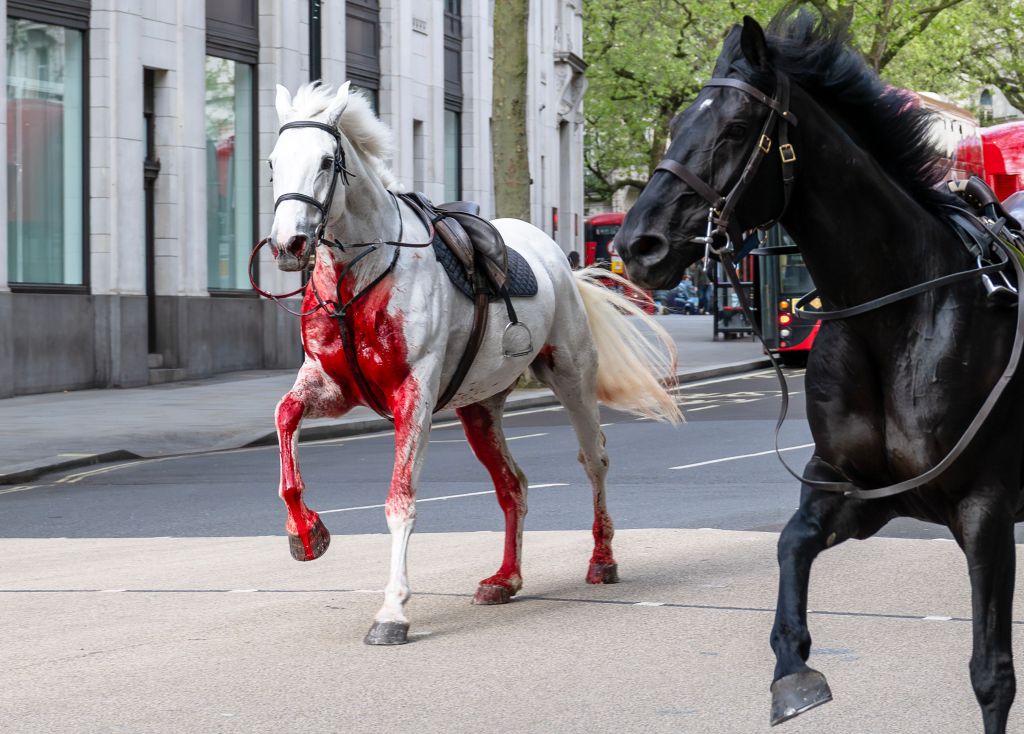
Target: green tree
[647, 60]
[508, 118]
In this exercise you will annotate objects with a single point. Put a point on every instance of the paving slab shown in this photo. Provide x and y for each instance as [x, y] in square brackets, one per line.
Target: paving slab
[231, 635]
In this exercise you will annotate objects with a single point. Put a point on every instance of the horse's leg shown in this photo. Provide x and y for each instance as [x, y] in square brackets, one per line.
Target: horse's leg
[412, 434]
[986, 533]
[572, 376]
[822, 521]
[309, 397]
[482, 424]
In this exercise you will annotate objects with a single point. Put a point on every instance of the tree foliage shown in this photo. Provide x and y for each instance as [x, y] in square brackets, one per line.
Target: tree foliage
[647, 60]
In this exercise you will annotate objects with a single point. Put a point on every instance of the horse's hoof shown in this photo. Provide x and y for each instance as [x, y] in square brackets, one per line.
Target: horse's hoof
[487, 594]
[603, 573]
[387, 633]
[798, 692]
[312, 545]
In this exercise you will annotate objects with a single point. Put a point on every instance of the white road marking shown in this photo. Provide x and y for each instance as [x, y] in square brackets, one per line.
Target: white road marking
[438, 499]
[242, 591]
[936, 619]
[705, 407]
[22, 488]
[112, 591]
[649, 604]
[447, 440]
[528, 435]
[605, 425]
[741, 456]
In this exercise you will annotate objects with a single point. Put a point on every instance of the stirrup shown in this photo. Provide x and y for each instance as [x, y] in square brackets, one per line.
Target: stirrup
[516, 340]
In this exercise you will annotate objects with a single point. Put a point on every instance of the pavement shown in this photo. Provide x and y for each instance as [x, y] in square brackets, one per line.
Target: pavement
[44, 433]
[230, 635]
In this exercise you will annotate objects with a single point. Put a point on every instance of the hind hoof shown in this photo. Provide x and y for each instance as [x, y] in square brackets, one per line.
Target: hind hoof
[798, 692]
[387, 633]
[487, 594]
[311, 546]
[603, 573]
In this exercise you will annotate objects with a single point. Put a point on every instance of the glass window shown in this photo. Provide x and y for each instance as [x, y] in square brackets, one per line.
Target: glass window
[452, 155]
[229, 172]
[45, 154]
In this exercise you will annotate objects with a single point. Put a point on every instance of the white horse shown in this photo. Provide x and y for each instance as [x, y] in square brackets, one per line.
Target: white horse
[409, 327]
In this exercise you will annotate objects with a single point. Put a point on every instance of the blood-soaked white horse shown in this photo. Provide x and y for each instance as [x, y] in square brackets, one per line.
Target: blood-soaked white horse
[406, 328]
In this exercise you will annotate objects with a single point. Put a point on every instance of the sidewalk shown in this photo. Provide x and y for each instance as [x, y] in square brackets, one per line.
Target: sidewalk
[53, 431]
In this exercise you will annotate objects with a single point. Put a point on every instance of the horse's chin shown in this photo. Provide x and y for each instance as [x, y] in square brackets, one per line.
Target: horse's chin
[289, 263]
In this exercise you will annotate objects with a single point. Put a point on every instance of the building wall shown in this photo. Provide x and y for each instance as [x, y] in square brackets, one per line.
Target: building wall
[97, 336]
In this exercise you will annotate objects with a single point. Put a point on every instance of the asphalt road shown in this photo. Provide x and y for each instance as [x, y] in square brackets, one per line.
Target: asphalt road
[716, 471]
[158, 596]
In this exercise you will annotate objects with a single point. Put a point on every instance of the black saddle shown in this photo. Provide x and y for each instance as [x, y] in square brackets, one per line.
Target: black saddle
[977, 194]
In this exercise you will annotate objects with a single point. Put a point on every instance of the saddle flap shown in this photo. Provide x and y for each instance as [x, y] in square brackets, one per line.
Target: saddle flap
[465, 207]
[455, 237]
[489, 246]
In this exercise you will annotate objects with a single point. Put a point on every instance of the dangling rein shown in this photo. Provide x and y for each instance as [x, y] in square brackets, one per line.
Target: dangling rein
[1009, 251]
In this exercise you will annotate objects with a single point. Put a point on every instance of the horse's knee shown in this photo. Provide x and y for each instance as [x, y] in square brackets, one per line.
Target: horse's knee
[288, 413]
[595, 463]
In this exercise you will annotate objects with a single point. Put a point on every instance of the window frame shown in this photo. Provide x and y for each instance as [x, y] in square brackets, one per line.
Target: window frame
[245, 291]
[361, 73]
[453, 92]
[74, 15]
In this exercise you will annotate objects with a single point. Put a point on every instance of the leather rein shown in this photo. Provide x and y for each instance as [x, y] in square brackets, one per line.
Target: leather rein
[336, 308]
[720, 223]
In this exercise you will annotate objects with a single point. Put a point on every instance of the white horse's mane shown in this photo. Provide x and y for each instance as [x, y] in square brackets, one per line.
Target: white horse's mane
[358, 121]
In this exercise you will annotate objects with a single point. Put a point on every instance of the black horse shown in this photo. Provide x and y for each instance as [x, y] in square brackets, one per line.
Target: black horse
[796, 128]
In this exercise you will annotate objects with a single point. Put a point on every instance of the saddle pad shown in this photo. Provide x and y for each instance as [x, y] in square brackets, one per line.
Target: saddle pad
[522, 283]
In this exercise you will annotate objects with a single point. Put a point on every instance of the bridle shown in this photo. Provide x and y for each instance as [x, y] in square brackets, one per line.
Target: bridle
[1004, 246]
[338, 171]
[721, 207]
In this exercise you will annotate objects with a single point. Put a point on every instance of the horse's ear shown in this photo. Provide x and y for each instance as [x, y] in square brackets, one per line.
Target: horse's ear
[283, 103]
[338, 104]
[753, 43]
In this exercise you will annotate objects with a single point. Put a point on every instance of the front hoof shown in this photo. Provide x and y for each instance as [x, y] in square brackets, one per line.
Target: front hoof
[798, 692]
[312, 545]
[487, 594]
[603, 573]
[387, 633]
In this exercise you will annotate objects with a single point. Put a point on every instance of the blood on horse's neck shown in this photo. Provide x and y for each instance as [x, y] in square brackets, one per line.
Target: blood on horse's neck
[861, 234]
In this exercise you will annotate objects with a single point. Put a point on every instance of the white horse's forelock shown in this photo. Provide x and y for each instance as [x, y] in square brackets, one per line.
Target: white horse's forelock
[360, 125]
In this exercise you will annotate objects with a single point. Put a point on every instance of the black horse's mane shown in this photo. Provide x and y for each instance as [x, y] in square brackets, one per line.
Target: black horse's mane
[886, 121]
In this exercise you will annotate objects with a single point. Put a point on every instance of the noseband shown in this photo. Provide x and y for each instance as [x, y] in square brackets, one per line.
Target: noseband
[720, 222]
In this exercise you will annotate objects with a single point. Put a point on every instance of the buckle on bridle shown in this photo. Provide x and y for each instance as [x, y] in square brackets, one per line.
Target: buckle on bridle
[787, 153]
[765, 144]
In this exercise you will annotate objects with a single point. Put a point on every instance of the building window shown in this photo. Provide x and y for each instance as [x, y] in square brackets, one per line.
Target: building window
[452, 155]
[362, 47]
[230, 212]
[453, 100]
[45, 154]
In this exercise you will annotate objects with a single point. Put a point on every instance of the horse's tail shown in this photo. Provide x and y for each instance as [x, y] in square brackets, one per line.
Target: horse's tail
[633, 372]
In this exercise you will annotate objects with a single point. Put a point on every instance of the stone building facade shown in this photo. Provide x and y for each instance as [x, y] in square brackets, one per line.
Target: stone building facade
[137, 136]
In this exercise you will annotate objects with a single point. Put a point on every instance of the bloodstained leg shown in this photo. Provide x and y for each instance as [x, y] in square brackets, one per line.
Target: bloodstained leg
[412, 434]
[307, 537]
[986, 534]
[482, 424]
[573, 379]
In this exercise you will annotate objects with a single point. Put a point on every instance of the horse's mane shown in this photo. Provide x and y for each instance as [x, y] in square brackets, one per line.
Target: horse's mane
[886, 121]
[360, 124]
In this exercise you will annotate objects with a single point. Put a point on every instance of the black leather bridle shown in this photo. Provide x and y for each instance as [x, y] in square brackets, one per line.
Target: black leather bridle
[720, 213]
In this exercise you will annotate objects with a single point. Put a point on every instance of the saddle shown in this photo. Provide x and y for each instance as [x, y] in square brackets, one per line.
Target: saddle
[473, 240]
[991, 219]
[484, 259]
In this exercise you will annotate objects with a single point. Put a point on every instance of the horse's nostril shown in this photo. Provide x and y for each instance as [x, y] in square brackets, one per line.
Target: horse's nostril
[649, 246]
[296, 245]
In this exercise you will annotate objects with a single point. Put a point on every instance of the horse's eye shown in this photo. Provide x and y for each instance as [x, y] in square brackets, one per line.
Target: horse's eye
[326, 163]
[736, 131]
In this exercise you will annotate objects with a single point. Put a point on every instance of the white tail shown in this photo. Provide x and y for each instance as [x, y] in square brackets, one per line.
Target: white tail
[632, 371]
